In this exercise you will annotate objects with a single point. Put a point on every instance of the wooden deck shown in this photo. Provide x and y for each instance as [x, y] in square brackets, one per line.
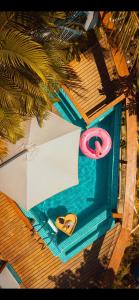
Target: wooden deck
[131, 167]
[95, 71]
[129, 192]
[38, 268]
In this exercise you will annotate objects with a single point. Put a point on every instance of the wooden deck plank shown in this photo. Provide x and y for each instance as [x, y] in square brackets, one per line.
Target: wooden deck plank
[85, 274]
[9, 212]
[122, 242]
[90, 90]
[87, 104]
[8, 226]
[72, 264]
[69, 94]
[21, 263]
[131, 120]
[11, 219]
[13, 204]
[25, 243]
[18, 243]
[90, 68]
[87, 68]
[86, 99]
[38, 266]
[33, 265]
[28, 259]
[113, 103]
[130, 183]
[72, 267]
[94, 100]
[9, 229]
[91, 79]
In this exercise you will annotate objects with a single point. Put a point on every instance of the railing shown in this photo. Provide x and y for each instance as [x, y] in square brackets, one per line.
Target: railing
[67, 32]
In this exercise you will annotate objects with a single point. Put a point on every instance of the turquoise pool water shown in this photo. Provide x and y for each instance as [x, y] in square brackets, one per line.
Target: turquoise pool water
[94, 198]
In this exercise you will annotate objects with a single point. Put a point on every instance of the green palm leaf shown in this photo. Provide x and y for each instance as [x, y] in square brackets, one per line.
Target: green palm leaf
[10, 125]
[34, 21]
[5, 18]
[28, 104]
[16, 50]
[8, 100]
[31, 72]
[17, 82]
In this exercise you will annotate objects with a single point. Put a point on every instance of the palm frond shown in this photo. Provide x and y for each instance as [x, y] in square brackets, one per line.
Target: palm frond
[32, 69]
[124, 29]
[17, 49]
[17, 82]
[10, 125]
[5, 18]
[63, 72]
[37, 23]
[29, 104]
[8, 100]
[34, 107]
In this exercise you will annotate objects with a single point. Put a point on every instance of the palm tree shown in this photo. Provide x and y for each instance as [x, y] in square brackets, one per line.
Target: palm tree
[32, 69]
[124, 32]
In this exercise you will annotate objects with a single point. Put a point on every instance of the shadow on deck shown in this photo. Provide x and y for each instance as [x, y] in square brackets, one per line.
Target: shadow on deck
[99, 80]
[89, 273]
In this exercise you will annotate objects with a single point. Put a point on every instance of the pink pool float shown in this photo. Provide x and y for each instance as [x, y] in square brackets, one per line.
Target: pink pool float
[100, 150]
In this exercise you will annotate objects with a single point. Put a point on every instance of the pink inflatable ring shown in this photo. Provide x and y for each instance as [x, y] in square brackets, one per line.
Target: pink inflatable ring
[100, 150]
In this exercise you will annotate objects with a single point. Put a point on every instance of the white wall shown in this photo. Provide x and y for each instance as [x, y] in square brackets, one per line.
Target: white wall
[7, 281]
[89, 19]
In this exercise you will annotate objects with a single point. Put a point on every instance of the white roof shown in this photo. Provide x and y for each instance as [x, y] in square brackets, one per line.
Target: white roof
[49, 166]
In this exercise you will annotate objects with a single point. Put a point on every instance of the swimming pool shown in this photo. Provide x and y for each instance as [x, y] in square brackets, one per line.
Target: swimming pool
[94, 198]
